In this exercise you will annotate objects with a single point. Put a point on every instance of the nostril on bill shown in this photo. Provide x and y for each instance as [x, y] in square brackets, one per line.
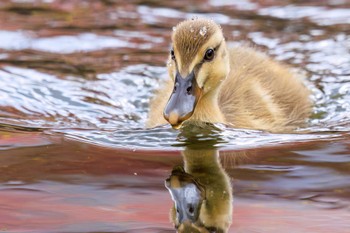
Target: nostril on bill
[189, 90]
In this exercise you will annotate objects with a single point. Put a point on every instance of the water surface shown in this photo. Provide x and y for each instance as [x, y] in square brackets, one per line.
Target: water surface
[75, 82]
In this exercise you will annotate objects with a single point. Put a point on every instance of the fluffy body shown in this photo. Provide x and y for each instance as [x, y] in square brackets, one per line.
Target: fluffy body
[242, 88]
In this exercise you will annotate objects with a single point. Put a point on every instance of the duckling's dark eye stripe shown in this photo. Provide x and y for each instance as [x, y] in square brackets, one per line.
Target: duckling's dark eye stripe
[218, 46]
[215, 49]
[199, 65]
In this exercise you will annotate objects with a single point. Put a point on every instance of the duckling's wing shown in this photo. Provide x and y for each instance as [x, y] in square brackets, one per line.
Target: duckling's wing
[262, 94]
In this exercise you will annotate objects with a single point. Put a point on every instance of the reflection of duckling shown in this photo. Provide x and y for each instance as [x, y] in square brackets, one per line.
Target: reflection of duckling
[238, 86]
[201, 192]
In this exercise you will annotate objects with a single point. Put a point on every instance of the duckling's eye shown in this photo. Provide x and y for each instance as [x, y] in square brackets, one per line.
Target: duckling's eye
[209, 55]
[172, 54]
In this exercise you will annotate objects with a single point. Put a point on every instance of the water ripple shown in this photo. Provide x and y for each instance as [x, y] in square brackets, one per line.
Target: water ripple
[319, 15]
[111, 109]
[110, 101]
[19, 40]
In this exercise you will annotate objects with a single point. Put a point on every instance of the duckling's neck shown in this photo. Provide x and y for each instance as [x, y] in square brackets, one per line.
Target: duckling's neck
[201, 161]
[207, 109]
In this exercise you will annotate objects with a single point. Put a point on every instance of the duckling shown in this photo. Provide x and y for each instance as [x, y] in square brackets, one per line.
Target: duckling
[201, 192]
[238, 86]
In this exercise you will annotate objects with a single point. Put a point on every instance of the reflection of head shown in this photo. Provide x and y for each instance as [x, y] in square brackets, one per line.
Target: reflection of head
[201, 193]
[187, 194]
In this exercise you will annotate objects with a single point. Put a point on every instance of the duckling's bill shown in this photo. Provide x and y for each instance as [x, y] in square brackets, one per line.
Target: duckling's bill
[183, 100]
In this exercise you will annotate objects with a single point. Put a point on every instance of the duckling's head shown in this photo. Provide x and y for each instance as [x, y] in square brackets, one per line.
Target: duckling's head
[198, 63]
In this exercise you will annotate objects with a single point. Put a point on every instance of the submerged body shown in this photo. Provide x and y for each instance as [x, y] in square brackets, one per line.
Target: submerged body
[239, 86]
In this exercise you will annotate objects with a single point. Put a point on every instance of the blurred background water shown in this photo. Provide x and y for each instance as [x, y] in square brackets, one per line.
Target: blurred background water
[75, 82]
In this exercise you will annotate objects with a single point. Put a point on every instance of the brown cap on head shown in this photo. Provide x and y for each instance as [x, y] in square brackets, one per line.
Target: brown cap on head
[190, 35]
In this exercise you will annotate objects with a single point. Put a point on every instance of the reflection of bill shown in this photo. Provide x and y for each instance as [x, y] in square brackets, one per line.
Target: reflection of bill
[201, 192]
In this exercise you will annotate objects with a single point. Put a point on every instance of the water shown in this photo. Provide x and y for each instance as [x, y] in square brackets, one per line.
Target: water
[75, 83]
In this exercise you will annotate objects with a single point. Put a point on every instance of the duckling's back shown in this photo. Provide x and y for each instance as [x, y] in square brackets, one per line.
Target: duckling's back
[262, 94]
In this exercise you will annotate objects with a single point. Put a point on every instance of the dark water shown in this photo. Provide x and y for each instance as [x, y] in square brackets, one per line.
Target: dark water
[75, 83]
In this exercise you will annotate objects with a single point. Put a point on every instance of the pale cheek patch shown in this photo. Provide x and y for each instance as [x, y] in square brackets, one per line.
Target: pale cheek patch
[212, 74]
[201, 77]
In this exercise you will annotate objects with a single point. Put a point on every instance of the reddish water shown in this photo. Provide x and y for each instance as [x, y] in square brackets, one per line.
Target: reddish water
[75, 80]
[51, 184]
